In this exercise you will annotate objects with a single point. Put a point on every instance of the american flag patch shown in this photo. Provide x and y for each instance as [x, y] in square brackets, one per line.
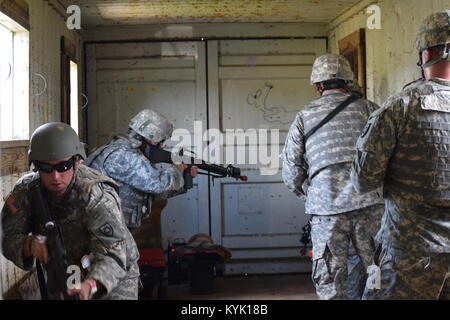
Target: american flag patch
[12, 204]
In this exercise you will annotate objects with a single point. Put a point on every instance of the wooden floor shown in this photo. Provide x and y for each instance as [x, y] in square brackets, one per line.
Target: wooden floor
[252, 287]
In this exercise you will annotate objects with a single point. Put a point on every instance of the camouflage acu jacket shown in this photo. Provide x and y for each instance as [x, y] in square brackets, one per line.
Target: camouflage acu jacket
[91, 223]
[405, 148]
[140, 181]
[321, 169]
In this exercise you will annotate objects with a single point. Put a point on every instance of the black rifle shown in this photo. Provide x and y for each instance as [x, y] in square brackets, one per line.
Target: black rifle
[57, 264]
[160, 155]
[306, 236]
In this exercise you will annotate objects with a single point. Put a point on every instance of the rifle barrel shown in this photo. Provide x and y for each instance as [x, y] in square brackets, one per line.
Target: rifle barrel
[165, 156]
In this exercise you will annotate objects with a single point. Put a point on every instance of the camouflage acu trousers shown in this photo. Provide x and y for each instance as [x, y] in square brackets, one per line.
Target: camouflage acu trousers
[407, 275]
[356, 275]
[331, 236]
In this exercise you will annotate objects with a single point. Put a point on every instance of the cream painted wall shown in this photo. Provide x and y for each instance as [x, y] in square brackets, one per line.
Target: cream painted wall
[47, 26]
[390, 55]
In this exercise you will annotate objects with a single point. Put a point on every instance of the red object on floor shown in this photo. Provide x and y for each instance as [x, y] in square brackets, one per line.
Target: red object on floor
[152, 257]
[304, 252]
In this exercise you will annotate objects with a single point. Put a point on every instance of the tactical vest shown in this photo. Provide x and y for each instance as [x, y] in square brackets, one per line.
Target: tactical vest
[421, 163]
[88, 177]
[136, 204]
[335, 141]
[71, 210]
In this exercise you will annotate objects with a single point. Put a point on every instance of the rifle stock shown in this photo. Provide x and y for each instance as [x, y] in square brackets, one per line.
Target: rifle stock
[57, 264]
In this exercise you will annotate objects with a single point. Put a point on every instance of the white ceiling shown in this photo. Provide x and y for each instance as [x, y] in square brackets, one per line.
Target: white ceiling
[133, 12]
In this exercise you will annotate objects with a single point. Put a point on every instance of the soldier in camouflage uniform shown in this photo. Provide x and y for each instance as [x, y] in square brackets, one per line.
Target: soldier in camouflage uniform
[85, 206]
[405, 148]
[320, 170]
[125, 159]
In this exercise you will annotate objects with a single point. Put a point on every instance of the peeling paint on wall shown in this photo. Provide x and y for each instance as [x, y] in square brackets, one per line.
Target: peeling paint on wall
[9, 274]
[114, 12]
[390, 56]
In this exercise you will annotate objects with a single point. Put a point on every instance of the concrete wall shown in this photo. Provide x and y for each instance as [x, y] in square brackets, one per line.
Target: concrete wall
[47, 24]
[390, 55]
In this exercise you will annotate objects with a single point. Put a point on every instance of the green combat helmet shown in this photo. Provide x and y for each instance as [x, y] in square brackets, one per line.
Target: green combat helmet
[152, 125]
[331, 66]
[435, 31]
[54, 141]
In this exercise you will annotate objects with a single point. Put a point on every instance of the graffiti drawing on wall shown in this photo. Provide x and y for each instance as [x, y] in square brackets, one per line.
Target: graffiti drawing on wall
[271, 114]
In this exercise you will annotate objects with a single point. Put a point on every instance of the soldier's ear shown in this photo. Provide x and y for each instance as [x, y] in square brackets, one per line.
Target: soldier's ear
[426, 55]
[319, 87]
[432, 53]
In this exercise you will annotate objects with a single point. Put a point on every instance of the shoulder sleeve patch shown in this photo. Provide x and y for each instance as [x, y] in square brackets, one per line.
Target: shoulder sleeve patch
[12, 204]
[107, 230]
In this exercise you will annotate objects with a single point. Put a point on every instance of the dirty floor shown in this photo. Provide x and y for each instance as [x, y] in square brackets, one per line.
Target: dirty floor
[252, 287]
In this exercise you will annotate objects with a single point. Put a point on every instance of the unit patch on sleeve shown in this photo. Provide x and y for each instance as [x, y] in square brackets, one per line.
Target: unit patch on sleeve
[107, 230]
[12, 204]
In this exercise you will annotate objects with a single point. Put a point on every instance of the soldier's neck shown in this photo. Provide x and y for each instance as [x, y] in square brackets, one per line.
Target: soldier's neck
[439, 70]
[333, 91]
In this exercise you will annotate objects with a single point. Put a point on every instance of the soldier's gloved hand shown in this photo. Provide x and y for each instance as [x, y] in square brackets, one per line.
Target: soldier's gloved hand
[36, 246]
[194, 171]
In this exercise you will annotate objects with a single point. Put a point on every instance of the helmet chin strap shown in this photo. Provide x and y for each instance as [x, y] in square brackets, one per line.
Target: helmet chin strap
[445, 55]
[134, 138]
[323, 86]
